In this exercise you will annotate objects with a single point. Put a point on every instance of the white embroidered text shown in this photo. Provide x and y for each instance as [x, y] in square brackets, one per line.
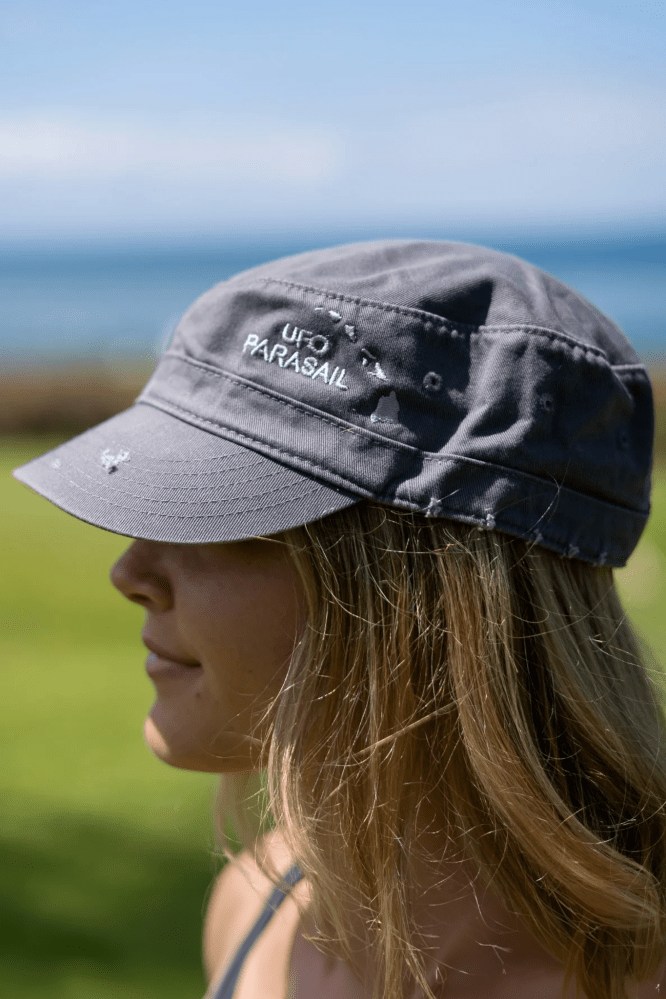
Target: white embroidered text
[286, 357]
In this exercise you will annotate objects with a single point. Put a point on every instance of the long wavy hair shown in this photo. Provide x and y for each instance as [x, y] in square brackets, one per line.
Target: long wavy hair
[502, 684]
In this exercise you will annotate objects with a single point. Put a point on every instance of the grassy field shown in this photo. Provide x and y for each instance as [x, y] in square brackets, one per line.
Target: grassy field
[107, 852]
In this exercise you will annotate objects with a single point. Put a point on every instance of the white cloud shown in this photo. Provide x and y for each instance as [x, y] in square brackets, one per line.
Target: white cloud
[56, 146]
[566, 147]
[512, 125]
[562, 149]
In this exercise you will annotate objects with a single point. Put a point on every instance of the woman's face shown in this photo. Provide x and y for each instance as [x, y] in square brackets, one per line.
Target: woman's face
[235, 610]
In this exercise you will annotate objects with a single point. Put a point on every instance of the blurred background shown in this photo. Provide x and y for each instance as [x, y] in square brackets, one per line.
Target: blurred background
[148, 150]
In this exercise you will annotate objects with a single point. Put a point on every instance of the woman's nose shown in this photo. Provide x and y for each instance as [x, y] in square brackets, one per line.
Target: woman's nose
[136, 575]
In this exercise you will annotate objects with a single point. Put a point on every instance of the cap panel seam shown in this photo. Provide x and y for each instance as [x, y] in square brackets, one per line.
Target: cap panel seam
[638, 369]
[385, 497]
[399, 501]
[450, 325]
[359, 432]
[514, 474]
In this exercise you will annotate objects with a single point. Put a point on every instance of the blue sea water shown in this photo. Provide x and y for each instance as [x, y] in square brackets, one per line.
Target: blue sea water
[123, 304]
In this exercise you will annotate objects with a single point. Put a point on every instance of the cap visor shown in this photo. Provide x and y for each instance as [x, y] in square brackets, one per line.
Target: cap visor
[147, 474]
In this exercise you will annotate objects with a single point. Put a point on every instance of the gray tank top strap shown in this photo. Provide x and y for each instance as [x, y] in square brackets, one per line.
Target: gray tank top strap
[228, 984]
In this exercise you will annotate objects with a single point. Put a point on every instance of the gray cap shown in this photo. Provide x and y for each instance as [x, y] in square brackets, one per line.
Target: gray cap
[439, 377]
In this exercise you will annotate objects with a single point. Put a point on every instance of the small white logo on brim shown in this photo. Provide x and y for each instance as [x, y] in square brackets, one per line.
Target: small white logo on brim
[112, 461]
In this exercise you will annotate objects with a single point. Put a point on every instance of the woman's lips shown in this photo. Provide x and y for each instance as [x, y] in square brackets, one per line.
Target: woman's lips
[159, 665]
[159, 668]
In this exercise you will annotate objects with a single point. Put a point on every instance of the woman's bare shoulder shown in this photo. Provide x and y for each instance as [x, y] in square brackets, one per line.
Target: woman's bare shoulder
[237, 899]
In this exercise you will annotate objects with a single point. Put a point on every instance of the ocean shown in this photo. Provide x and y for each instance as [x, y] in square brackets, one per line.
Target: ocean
[123, 304]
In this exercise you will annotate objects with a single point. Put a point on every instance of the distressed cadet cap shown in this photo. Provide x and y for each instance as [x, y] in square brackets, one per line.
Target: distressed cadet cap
[432, 376]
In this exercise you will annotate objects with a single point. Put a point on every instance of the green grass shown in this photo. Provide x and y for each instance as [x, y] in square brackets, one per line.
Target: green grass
[642, 583]
[107, 851]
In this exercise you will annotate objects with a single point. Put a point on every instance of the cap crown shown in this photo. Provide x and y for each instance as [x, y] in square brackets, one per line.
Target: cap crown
[441, 377]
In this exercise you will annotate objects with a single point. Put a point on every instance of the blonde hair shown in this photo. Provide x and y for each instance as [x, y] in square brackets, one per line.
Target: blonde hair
[503, 684]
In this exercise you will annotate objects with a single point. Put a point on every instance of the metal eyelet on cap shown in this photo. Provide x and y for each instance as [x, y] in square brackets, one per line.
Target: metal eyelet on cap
[432, 382]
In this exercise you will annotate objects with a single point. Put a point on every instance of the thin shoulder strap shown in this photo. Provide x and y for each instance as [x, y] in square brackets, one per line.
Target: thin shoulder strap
[228, 984]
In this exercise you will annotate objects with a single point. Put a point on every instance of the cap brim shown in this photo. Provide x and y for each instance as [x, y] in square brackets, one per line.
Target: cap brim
[147, 474]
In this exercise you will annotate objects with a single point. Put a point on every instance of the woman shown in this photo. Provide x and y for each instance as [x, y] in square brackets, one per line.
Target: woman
[377, 493]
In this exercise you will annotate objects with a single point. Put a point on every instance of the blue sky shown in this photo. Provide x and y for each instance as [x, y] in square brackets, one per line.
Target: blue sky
[160, 119]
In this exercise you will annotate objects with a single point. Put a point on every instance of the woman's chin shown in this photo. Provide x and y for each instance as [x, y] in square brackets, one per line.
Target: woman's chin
[160, 746]
[171, 750]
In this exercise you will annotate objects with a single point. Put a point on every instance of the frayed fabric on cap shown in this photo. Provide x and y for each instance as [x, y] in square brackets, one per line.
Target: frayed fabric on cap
[439, 377]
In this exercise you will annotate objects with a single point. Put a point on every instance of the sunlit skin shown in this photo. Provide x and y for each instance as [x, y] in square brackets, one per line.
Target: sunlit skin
[236, 609]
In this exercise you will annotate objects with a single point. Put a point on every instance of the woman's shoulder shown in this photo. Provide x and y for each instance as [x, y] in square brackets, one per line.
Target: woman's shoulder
[238, 897]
